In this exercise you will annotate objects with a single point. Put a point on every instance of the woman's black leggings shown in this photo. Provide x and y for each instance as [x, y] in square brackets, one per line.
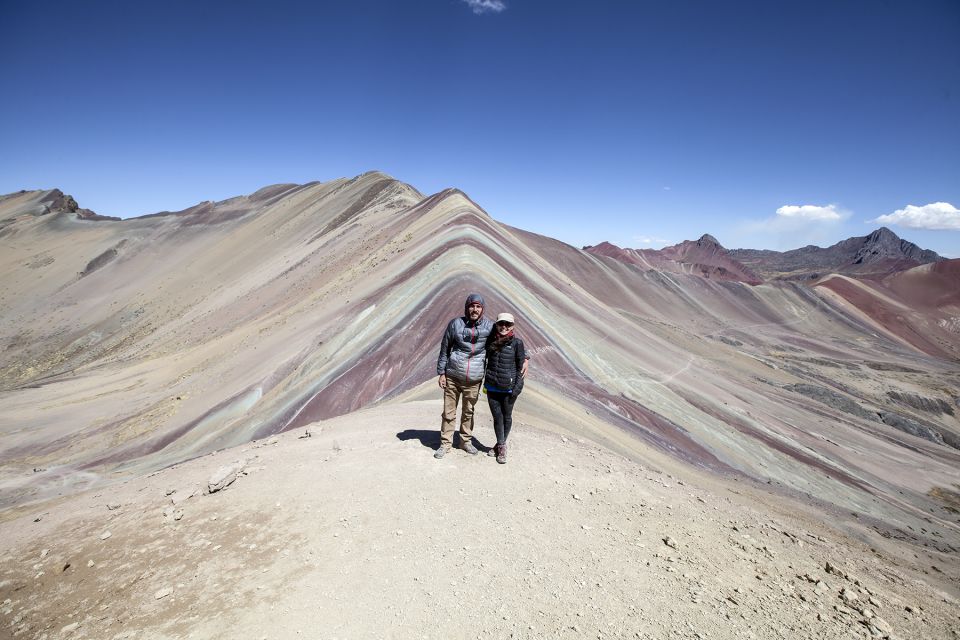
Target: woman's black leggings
[501, 406]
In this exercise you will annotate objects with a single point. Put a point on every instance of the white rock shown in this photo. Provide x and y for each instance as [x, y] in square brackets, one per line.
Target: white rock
[180, 497]
[880, 625]
[70, 628]
[163, 593]
[113, 506]
[224, 477]
[848, 596]
[105, 535]
[670, 542]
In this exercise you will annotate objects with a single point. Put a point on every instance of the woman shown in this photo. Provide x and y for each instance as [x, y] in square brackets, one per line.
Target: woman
[506, 366]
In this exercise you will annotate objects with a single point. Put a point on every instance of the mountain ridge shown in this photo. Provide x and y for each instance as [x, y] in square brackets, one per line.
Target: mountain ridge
[130, 346]
[880, 252]
[705, 257]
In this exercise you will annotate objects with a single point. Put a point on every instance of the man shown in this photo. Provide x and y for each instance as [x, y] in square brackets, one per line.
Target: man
[460, 367]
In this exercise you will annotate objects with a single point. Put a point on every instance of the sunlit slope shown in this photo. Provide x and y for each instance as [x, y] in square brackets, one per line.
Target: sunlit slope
[136, 344]
[919, 307]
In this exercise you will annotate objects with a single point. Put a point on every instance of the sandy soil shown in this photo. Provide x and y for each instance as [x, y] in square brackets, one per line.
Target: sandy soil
[357, 532]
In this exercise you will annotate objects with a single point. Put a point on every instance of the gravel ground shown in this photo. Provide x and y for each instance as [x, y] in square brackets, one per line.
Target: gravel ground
[357, 532]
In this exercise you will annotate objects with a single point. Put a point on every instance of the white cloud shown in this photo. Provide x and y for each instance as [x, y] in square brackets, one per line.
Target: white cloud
[811, 212]
[937, 215]
[647, 241]
[486, 6]
[796, 225]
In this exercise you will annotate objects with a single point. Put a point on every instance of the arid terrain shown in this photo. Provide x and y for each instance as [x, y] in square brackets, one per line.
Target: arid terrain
[706, 447]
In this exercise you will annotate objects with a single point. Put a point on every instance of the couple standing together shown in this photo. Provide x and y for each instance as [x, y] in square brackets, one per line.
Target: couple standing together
[475, 351]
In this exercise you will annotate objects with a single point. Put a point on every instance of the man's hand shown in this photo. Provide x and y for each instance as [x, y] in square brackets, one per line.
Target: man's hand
[523, 369]
[442, 381]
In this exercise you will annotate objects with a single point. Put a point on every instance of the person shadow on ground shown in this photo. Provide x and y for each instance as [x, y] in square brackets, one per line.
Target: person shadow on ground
[430, 438]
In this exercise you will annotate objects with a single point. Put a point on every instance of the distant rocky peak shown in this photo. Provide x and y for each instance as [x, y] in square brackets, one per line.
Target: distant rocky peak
[879, 252]
[883, 236]
[707, 240]
[884, 243]
[58, 202]
[602, 245]
[883, 233]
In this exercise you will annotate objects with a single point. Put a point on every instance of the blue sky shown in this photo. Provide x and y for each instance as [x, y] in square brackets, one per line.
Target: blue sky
[641, 123]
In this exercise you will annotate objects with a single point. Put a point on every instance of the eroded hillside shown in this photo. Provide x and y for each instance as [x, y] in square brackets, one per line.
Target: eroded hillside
[127, 346]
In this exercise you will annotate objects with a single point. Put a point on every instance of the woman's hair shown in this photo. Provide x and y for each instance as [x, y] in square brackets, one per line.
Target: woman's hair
[498, 341]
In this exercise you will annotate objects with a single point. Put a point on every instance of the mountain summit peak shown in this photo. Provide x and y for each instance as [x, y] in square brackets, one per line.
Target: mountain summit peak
[883, 234]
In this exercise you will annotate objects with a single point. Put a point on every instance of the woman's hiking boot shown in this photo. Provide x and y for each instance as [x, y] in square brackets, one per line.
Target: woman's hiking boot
[502, 453]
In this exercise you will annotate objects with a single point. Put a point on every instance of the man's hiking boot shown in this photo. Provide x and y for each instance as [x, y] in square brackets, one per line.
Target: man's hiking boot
[492, 451]
[469, 448]
[440, 452]
[502, 454]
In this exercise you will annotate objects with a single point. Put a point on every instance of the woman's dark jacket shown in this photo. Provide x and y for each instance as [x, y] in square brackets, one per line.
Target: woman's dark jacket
[504, 365]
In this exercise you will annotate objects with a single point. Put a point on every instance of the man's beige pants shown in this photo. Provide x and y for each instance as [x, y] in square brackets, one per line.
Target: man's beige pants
[451, 394]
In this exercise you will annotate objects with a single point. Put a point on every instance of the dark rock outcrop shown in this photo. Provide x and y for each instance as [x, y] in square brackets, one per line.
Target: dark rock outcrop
[832, 399]
[884, 243]
[935, 406]
[910, 426]
[842, 403]
[59, 202]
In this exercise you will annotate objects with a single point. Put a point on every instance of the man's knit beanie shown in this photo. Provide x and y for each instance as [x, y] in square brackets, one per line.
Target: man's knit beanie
[472, 298]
